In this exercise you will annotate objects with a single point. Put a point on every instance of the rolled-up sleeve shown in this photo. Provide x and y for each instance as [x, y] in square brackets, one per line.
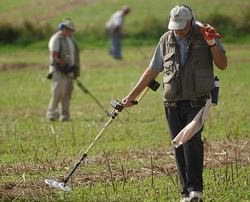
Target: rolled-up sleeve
[156, 62]
[54, 44]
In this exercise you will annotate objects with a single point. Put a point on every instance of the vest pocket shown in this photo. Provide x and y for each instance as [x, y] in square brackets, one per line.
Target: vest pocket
[204, 81]
[169, 63]
[171, 86]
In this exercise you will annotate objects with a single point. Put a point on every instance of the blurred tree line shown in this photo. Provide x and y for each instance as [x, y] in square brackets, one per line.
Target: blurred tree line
[232, 30]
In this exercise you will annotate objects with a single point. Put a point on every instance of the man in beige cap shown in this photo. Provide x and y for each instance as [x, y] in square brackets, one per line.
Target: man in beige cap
[185, 54]
[114, 29]
[64, 67]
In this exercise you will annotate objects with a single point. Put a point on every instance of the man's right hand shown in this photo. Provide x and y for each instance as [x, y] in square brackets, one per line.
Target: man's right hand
[127, 101]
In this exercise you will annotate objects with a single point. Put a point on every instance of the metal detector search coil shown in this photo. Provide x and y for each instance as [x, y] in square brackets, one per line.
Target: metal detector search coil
[58, 185]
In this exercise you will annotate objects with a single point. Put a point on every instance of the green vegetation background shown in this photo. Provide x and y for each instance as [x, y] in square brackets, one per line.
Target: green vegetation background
[32, 149]
[30, 23]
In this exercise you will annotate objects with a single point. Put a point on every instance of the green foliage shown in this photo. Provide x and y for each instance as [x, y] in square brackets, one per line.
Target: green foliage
[146, 23]
[8, 34]
[25, 34]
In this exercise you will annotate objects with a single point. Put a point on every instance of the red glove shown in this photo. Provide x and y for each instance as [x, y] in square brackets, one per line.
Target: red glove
[209, 34]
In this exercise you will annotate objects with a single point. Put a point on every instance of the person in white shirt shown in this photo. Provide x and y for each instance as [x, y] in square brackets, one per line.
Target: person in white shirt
[114, 29]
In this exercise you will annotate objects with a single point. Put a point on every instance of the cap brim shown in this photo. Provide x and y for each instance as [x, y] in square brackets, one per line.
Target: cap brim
[72, 30]
[176, 25]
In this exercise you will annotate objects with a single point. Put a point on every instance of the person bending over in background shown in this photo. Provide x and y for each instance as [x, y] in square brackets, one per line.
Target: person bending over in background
[114, 29]
[64, 67]
[185, 54]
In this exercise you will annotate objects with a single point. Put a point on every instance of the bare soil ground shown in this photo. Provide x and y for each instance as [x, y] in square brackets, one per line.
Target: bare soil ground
[217, 154]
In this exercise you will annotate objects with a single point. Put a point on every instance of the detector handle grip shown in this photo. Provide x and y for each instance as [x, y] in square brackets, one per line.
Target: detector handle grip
[213, 35]
[134, 102]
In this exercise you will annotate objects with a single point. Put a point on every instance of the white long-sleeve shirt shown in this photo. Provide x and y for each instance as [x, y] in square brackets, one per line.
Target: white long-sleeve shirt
[116, 20]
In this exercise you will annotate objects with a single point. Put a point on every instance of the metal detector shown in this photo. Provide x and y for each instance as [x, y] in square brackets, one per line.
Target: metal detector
[85, 90]
[118, 107]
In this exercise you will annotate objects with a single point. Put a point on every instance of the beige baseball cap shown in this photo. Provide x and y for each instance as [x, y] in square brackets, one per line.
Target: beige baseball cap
[179, 16]
[68, 24]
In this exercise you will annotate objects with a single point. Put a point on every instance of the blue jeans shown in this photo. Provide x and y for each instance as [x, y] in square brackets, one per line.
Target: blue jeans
[189, 157]
[115, 44]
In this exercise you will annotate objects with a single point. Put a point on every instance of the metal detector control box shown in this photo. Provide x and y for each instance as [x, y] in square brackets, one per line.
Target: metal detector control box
[117, 105]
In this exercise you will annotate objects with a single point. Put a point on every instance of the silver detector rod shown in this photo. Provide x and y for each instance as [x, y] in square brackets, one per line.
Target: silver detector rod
[118, 107]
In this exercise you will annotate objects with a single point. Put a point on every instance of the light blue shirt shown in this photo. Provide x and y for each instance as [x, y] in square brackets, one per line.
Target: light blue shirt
[157, 62]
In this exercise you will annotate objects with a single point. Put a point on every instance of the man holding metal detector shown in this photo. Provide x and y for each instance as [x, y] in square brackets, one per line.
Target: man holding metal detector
[64, 68]
[185, 54]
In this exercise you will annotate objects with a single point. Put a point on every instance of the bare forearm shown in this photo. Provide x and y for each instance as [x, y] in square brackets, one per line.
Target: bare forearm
[148, 75]
[220, 59]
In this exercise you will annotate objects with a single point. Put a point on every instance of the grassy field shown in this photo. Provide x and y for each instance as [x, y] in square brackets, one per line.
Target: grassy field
[92, 13]
[133, 161]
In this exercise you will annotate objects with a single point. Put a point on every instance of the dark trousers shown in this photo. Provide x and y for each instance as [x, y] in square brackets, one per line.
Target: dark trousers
[189, 157]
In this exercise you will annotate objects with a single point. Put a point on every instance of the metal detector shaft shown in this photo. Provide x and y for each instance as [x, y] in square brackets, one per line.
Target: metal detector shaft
[85, 90]
[101, 132]
[73, 170]
[91, 145]
[114, 113]
[142, 94]
[153, 85]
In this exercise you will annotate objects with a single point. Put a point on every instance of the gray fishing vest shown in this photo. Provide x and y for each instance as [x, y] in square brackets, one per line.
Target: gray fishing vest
[64, 52]
[193, 79]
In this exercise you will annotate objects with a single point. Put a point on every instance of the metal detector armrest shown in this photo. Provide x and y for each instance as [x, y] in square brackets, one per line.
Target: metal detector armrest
[154, 85]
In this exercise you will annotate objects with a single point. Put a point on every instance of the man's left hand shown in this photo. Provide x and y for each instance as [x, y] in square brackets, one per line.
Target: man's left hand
[209, 34]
